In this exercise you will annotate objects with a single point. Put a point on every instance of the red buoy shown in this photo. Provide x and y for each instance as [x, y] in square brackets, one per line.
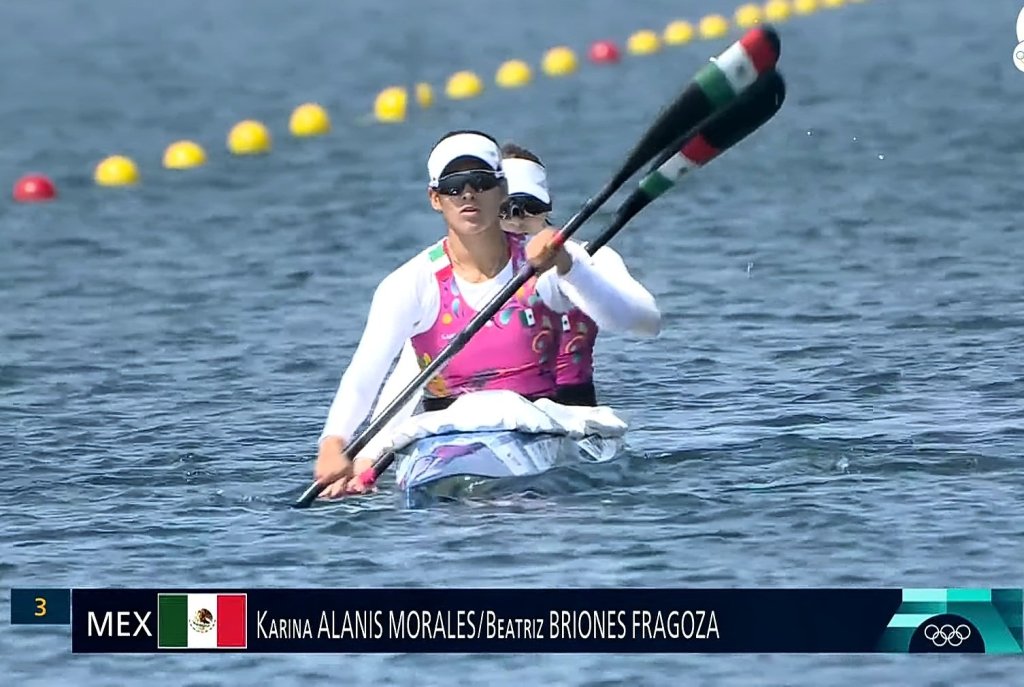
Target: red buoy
[604, 51]
[34, 188]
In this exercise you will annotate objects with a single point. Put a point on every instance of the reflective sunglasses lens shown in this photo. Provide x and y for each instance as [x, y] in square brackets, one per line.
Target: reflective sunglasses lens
[453, 184]
[523, 207]
[535, 207]
[510, 210]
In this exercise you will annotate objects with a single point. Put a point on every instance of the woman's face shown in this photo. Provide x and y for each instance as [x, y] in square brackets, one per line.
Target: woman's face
[469, 197]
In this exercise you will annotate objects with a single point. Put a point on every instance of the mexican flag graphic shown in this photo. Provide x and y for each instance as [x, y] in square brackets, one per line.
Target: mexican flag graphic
[201, 621]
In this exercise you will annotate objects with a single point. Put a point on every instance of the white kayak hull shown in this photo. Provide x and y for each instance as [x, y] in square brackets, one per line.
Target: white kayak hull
[477, 456]
[490, 436]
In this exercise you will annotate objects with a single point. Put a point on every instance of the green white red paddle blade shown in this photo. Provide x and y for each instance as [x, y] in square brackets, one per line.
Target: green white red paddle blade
[724, 130]
[714, 87]
[739, 120]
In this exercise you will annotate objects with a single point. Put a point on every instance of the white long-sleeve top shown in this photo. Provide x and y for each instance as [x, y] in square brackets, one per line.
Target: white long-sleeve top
[637, 313]
[407, 302]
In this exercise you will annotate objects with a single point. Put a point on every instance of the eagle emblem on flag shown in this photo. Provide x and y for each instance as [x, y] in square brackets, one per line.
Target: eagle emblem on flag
[202, 620]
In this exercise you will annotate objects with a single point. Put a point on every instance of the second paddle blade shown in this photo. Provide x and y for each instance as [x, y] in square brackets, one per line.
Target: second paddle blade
[746, 115]
[715, 87]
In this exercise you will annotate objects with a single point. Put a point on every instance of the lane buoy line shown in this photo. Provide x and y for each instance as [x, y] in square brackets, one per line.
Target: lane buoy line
[391, 105]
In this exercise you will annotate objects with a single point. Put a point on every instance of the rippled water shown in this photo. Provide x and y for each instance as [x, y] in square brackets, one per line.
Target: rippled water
[835, 399]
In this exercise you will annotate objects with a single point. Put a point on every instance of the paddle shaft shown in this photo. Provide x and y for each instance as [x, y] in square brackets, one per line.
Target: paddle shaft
[713, 88]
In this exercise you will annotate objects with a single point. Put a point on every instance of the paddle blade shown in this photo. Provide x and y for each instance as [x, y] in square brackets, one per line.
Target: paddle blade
[714, 87]
[308, 496]
[759, 104]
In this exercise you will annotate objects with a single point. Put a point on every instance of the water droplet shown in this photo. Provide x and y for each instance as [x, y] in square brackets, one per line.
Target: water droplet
[855, 138]
[810, 133]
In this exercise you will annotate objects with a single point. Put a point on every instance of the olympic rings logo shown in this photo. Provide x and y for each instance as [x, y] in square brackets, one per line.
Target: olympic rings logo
[947, 635]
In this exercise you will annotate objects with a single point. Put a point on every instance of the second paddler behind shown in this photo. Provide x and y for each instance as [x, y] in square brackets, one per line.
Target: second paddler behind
[526, 211]
[430, 298]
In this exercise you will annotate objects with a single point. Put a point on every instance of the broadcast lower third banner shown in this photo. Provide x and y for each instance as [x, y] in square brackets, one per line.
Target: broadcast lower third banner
[533, 620]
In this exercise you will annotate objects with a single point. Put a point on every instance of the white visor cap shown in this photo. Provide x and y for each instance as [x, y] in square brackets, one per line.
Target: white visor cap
[463, 145]
[526, 176]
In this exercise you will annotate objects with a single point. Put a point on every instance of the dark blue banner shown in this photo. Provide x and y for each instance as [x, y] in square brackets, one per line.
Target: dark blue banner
[548, 620]
[40, 606]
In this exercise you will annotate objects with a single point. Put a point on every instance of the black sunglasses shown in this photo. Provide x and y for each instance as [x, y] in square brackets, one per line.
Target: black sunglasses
[479, 179]
[522, 206]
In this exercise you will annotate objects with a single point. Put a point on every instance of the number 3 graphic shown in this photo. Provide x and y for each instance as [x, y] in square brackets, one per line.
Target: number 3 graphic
[40, 607]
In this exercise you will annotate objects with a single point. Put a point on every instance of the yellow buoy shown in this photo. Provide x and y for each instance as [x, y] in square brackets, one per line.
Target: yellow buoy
[713, 26]
[559, 61]
[464, 84]
[184, 155]
[679, 32]
[390, 105]
[249, 137]
[805, 6]
[777, 10]
[513, 74]
[643, 43]
[424, 95]
[748, 15]
[309, 119]
[116, 170]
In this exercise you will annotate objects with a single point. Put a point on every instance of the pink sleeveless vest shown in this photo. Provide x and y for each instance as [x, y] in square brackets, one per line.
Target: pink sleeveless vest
[515, 350]
[575, 364]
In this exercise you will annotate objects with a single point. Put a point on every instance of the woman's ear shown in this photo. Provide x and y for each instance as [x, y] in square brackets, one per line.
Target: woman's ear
[435, 199]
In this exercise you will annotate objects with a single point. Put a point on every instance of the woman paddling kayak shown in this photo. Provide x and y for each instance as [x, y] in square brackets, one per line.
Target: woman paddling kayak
[429, 299]
[526, 211]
